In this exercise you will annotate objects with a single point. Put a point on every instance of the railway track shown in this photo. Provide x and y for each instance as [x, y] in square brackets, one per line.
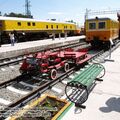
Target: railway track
[35, 90]
[46, 86]
[9, 68]
[37, 87]
[17, 59]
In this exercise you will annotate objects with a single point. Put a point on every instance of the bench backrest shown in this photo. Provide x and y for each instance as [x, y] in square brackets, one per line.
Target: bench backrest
[88, 75]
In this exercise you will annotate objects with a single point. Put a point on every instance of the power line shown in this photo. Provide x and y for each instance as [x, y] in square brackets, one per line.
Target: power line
[100, 12]
[104, 12]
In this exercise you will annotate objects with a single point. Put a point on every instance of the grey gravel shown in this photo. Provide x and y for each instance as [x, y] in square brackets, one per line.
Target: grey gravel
[9, 73]
[8, 95]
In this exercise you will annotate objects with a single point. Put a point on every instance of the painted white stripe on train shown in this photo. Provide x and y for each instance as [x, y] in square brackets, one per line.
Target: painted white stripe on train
[32, 20]
[16, 90]
[94, 30]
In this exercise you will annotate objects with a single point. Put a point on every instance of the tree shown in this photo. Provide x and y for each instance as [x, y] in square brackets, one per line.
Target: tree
[12, 14]
[71, 21]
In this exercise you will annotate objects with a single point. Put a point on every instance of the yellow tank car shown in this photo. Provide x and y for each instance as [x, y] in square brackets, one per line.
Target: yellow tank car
[32, 28]
[101, 31]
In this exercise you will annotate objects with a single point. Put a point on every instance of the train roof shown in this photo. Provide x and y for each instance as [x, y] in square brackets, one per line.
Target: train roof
[97, 18]
[32, 20]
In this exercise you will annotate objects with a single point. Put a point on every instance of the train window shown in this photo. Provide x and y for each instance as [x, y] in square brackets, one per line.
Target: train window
[92, 25]
[0, 24]
[52, 26]
[57, 26]
[29, 24]
[19, 23]
[33, 24]
[46, 26]
[101, 25]
[65, 27]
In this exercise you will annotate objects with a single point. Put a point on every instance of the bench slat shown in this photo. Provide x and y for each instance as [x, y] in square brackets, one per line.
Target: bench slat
[87, 76]
[90, 81]
[82, 73]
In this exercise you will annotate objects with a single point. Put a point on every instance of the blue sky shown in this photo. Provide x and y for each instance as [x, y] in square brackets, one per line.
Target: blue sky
[61, 10]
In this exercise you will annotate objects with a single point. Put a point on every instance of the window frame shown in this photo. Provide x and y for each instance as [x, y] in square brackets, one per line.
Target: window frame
[47, 27]
[57, 26]
[52, 26]
[92, 23]
[71, 27]
[104, 24]
[19, 23]
[33, 24]
[28, 23]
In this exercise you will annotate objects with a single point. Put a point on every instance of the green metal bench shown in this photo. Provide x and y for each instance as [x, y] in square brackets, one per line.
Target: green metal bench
[80, 85]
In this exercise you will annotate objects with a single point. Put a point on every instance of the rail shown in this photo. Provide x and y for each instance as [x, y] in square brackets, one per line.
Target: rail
[35, 93]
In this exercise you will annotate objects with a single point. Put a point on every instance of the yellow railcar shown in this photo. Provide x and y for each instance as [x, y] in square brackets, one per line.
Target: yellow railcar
[33, 28]
[101, 31]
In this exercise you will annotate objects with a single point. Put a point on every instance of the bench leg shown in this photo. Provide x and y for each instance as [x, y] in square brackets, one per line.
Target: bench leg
[99, 79]
[80, 106]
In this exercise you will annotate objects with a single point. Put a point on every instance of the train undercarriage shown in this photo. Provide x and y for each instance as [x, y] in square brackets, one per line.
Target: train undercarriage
[99, 44]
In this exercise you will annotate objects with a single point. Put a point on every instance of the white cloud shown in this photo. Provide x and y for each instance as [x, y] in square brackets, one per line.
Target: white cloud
[55, 13]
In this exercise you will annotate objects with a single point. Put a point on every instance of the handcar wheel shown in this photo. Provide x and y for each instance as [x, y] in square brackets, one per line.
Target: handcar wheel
[53, 74]
[66, 67]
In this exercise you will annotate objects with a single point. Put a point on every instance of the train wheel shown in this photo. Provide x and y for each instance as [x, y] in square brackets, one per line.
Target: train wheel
[66, 67]
[53, 74]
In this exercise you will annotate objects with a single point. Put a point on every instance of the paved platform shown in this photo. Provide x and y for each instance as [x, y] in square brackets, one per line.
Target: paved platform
[104, 100]
[27, 47]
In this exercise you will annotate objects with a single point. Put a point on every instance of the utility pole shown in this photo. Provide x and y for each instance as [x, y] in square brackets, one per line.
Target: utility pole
[27, 8]
[87, 13]
[118, 15]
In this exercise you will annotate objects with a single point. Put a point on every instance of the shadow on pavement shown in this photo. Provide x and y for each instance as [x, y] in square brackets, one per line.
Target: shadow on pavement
[112, 104]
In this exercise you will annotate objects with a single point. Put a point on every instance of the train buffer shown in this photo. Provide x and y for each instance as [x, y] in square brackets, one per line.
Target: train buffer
[77, 90]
